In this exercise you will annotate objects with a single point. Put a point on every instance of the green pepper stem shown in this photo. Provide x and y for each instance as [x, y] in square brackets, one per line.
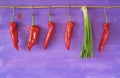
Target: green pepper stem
[50, 17]
[12, 18]
[70, 19]
[105, 15]
[13, 14]
[32, 19]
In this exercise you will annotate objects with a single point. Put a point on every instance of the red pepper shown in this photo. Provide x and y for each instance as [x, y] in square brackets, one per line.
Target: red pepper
[68, 34]
[104, 36]
[50, 33]
[14, 34]
[105, 32]
[34, 31]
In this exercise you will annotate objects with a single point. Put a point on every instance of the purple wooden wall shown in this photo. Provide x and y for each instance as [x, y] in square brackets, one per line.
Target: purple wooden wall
[56, 61]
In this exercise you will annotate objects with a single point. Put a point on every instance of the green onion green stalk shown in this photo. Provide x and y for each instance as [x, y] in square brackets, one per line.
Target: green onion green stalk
[87, 46]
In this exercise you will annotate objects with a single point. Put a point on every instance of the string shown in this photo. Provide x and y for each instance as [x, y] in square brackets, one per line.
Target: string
[72, 6]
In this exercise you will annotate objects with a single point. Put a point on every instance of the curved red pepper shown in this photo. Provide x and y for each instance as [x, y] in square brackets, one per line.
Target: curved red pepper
[68, 34]
[104, 36]
[14, 34]
[34, 31]
[50, 33]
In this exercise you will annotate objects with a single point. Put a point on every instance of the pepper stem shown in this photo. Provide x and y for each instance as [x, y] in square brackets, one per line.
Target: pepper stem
[13, 14]
[32, 19]
[105, 15]
[50, 17]
[12, 18]
[70, 19]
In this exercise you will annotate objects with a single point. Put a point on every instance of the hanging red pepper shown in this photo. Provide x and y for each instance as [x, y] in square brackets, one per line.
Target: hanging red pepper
[14, 34]
[50, 32]
[105, 33]
[34, 31]
[68, 32]
[104, 36]
[14, 31]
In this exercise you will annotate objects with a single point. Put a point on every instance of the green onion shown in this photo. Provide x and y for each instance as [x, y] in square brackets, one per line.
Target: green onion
[87, 46]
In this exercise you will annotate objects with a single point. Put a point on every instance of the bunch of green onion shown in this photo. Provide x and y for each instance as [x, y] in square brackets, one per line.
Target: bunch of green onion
[87, 46]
